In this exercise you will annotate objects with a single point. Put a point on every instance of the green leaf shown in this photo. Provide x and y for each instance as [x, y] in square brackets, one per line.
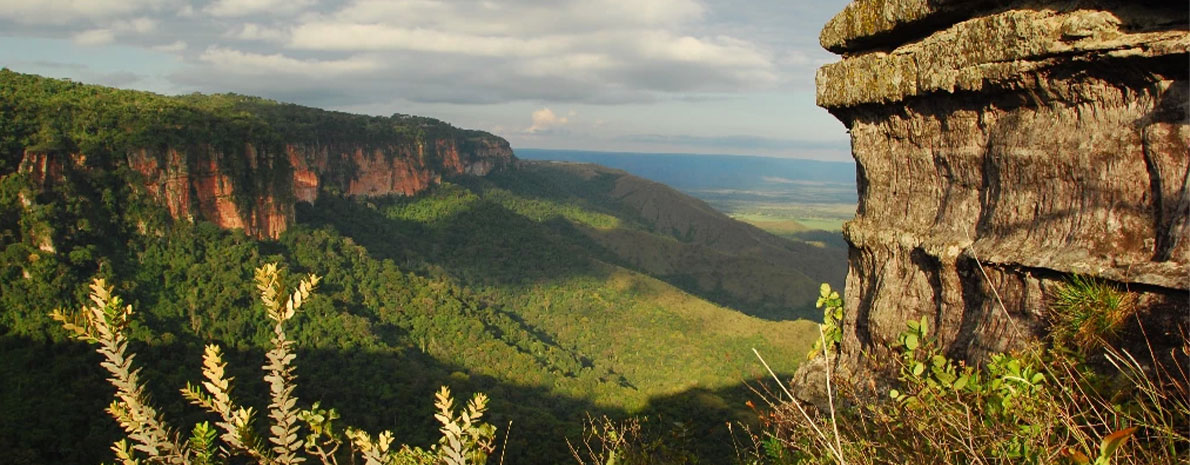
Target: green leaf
[918, 368]
[925, 326]
[895, 394]
[961, 382]
[911, 341]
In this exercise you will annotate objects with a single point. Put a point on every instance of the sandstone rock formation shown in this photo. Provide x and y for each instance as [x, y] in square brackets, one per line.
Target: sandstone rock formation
[199, 182]
[1000, 148]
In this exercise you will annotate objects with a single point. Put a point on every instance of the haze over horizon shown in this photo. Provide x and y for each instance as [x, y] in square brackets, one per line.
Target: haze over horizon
[679, 76]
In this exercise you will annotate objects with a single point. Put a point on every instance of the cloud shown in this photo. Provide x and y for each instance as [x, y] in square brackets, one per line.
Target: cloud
[59, 12]
[94, 37]
[358, 37]
[174, 47]
[254, 31]
[544, 120]
[271, 65]
[236, 8]
[447, 51]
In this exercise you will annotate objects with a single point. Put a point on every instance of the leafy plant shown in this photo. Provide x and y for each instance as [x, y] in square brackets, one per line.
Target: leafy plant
[466, 439]
[832, 320]
[630, 442]
[1039, 405]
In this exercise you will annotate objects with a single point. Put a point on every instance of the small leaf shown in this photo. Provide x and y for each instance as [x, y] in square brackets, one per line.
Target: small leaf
[895, 394]
[961, 382]
[1114, 441]
[1075, 456]
[911, 341]
[918, 368]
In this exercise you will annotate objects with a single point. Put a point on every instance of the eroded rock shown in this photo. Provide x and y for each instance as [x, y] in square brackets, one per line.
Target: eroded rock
[1002, 148]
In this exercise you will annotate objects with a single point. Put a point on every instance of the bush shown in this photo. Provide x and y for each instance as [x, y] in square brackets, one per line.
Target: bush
[1040, 405]
[465, 438]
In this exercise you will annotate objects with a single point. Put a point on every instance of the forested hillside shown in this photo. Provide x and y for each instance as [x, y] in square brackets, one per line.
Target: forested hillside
[534, 285]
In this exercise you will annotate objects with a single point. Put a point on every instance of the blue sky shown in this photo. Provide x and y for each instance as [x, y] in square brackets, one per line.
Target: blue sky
[694, 76]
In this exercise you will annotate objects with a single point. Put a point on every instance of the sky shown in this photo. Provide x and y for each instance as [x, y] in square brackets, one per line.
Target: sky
[687, 76]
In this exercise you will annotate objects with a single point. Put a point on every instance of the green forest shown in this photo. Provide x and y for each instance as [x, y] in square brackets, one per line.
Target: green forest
[535, 286]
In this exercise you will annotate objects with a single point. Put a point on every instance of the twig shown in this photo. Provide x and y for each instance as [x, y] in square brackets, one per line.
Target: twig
[507, 433]
[830, 397]
[806, 416]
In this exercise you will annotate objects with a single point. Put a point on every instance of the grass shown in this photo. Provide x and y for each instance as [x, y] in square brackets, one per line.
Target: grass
[786, 219]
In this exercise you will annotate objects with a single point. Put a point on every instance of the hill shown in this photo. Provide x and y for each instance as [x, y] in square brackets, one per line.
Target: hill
[548, 287]
[792, 198]
[685, 242]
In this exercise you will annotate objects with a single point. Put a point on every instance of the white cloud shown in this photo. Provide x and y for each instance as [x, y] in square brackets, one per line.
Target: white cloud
[174, 47]
[236, 8]
[544, 119]
[60, 12]
[141, 25]
[239, 62]
[254, 31]
[94, 37]
[359, 36]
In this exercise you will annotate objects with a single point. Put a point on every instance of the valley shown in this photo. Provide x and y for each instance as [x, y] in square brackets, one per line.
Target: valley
[561, 290]
[801, 200]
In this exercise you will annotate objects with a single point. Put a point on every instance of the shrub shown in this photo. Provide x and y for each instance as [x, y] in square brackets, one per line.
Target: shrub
[465, 438]
[1039, 405]
[1089, 312]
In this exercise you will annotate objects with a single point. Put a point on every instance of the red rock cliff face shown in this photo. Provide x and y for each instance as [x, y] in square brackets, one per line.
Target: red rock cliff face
[199, 183]
[1001, 149]
[405, 169]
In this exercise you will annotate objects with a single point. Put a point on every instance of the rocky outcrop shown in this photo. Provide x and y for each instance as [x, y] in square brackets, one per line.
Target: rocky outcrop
[1001, 148]
[258, 192]
[237, 161]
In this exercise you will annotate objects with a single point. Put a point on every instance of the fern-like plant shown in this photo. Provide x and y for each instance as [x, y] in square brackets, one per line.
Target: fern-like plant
[466, 439]
[1088, 312]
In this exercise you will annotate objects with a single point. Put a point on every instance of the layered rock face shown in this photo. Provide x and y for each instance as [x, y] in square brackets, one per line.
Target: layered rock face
[198, 184]
[1001, 148]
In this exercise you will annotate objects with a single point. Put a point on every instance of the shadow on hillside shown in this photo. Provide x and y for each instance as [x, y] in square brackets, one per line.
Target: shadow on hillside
[55, 395]
[487, 244]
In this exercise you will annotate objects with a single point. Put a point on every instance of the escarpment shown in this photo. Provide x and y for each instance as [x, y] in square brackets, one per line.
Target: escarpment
[238, 162]
[1001, 148]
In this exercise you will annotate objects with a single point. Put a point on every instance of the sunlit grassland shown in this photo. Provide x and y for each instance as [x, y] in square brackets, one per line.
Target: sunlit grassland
[787, 212]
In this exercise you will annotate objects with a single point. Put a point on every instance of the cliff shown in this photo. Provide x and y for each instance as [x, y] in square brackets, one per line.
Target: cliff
[239, 162]
[1001, 148]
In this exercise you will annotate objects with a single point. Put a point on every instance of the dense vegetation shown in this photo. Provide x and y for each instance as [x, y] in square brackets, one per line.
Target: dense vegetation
[1084, 396]
[501, 286]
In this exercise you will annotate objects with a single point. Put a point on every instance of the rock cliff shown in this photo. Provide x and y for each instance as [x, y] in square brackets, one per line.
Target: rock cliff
[1002, 147]
[196, 183]
[239, 162]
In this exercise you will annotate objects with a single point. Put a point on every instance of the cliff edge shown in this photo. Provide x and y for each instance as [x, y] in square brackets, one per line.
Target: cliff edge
[1001, 148]
[239, 162]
